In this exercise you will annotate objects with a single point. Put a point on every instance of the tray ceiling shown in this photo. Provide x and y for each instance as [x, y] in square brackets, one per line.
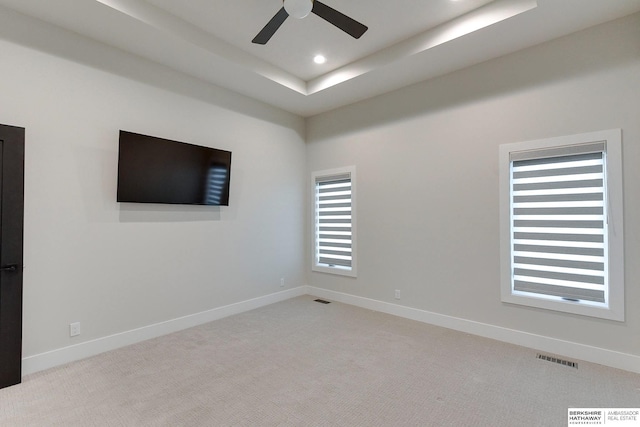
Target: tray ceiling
[408, 40]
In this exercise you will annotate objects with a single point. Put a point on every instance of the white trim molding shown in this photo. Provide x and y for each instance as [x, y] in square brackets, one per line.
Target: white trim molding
[319, 177]
[50, 359]
[613, 359]
[559, 291]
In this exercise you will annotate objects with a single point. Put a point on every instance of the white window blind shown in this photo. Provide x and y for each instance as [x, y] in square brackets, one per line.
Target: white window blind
[561, 224]
[333, 221]
[558, 222]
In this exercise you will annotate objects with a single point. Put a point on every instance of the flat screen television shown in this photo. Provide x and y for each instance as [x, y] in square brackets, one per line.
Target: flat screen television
[157, 170]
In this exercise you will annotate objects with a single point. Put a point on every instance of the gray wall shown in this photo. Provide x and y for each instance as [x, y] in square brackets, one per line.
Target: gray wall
[427, 168]
[117, 267]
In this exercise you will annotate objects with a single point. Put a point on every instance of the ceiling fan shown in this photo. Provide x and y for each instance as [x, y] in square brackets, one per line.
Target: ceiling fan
[300, 9]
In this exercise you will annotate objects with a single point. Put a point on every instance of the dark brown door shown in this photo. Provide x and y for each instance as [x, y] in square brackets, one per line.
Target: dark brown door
[11, 232]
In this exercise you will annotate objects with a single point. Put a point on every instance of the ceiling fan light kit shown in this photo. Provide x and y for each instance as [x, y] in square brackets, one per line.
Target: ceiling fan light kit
[300, 9]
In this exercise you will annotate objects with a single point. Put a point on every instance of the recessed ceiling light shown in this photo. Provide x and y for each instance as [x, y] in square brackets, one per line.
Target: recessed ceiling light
[319, 59]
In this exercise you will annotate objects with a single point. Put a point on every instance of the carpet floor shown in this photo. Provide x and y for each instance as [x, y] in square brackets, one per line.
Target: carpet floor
[302, 363]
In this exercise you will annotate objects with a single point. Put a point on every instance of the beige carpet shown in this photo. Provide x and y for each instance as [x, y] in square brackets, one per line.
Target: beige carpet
[301, 363]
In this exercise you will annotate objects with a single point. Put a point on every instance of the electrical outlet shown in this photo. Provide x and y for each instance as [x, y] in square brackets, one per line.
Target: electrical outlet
[74, 329]
[397, 294]
[282, 282]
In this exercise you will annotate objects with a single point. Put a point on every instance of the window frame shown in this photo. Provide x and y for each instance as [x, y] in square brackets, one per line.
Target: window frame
[613, 308]
[315, 266]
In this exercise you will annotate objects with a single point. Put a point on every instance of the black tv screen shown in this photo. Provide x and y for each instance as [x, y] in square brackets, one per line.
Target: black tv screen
[156, 170]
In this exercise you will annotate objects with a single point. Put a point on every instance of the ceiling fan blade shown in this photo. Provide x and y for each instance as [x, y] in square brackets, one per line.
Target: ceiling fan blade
[272, 26]
[340, 20]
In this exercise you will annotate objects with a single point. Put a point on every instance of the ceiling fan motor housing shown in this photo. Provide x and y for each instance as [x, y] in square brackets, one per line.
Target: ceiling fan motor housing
[298, 8]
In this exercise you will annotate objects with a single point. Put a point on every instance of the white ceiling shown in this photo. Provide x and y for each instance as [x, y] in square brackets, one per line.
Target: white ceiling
[408, 40]
[298, 41]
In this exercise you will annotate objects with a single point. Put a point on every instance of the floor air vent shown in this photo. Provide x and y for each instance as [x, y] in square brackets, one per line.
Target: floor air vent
[321, 301]
[558, 361]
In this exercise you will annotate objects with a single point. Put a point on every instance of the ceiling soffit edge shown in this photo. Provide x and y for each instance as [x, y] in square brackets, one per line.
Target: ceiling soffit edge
[484, 16]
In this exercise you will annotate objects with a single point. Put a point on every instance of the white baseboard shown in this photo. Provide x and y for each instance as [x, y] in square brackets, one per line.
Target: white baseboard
[614, 359]
[50, 359]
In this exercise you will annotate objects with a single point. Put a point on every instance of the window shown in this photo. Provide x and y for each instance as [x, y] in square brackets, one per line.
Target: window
[561, 224]
[334, 236]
